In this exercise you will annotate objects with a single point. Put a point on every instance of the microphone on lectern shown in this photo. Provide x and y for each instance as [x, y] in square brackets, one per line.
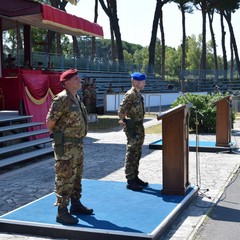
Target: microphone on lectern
[216, 88]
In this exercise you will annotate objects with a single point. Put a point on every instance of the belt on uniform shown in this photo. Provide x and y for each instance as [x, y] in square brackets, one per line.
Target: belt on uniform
[72, 139]
[132, 123]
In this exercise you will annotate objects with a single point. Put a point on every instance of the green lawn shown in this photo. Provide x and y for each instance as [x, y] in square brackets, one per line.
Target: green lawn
[106, 123]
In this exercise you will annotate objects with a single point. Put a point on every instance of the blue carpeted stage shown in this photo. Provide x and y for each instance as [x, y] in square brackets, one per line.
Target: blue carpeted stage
[203, 146]
[118, 213]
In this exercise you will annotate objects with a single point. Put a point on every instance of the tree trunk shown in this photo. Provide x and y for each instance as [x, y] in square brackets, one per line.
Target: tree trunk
[59, 45]
[111, 12]
[151, 48]
[231, 62]
[204, 48]
[224, 52]
[183, 62]
[113, 45]
[93, 50]
[163, 68]
[49, 40]
[210, 17]
[76, 49]
[233, 40]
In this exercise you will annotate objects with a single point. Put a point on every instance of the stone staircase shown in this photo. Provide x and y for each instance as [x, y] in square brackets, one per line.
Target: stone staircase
[21, 139]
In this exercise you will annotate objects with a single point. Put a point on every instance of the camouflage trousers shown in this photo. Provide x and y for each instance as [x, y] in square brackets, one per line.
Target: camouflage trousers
[133, 151]
[68, 174]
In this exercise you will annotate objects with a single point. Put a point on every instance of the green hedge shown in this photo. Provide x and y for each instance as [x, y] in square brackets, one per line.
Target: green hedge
[205, 104]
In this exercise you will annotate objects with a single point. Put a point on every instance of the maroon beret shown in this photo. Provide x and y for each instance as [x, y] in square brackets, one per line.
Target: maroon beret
[68, 74]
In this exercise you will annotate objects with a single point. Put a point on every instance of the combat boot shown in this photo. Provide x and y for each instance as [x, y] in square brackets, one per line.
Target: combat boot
[132, 185]
[141, 182]
[78, 208]
[65, 217]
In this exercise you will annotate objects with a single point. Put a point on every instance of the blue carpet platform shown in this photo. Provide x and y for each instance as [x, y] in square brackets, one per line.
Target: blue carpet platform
[203, 146]
[119, 213]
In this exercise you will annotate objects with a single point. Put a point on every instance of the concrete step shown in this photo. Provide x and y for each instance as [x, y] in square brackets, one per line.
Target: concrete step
[23, 145]
[22, 135]
[20, 126]
[11, 119]
[25, 156]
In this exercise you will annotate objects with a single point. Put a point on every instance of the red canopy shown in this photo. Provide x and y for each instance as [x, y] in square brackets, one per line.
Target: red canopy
[72, 25]
[47, 17]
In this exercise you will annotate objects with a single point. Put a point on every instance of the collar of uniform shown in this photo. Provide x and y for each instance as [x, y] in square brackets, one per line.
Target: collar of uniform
[136, 91]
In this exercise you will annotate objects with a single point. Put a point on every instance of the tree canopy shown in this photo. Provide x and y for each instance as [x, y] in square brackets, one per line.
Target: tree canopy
[194, 53]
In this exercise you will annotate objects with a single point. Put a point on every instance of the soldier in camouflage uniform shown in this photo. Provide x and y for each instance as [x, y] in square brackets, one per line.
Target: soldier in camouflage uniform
[131, 113]
[67, 123]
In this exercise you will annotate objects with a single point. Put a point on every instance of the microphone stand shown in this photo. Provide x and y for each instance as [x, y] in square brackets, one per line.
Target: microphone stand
[198, 179]
[198, 171]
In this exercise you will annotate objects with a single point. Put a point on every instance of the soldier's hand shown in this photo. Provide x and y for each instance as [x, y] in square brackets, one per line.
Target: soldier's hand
[122, 123]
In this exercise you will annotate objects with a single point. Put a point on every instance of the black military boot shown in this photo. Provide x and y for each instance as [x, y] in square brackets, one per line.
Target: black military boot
[132, 185]
[141, 182]
[78, 208]
[65, 217]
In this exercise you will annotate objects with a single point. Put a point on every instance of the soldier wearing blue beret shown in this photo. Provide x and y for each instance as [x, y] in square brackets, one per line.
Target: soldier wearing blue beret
[131, 113]
[138, 76]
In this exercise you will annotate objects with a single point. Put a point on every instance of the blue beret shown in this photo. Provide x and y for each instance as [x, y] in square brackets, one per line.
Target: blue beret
[138, 76]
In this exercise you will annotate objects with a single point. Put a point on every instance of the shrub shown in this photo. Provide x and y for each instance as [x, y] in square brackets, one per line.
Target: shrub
[203, 111]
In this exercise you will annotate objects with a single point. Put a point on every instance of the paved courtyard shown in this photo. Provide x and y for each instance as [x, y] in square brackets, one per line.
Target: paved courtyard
[104, 160]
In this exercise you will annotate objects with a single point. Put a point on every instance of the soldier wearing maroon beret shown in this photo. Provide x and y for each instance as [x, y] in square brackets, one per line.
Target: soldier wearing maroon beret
[67, 123]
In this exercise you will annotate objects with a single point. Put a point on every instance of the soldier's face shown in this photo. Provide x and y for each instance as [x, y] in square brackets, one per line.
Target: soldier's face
[140, 84]
[75, 82]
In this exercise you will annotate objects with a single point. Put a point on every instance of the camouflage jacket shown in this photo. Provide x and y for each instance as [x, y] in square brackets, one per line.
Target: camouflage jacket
[70, 115]
[132, 105]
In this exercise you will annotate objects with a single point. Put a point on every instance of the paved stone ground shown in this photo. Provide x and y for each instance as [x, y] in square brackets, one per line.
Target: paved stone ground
[104, 159]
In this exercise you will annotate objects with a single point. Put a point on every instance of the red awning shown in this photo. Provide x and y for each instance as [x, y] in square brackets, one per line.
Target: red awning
[47, 17]
[55, 18]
